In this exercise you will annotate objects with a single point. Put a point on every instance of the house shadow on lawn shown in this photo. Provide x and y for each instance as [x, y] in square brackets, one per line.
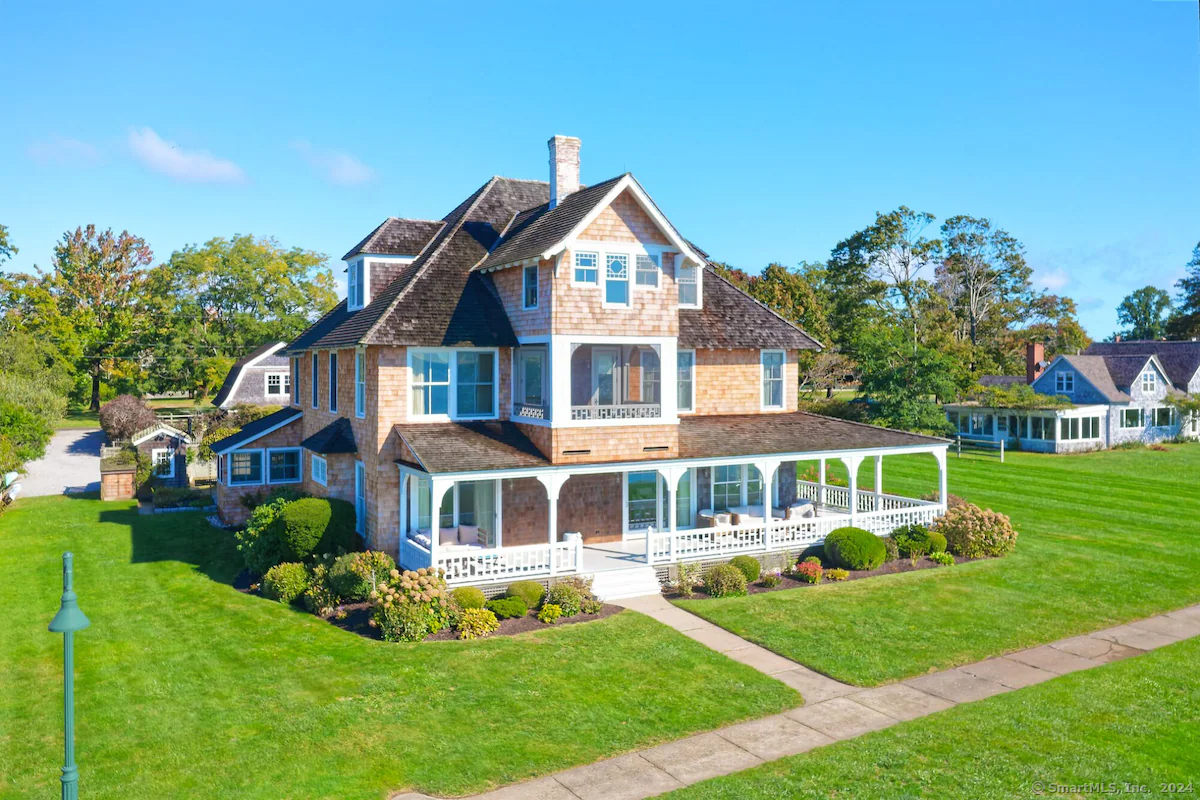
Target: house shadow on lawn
[185, 536]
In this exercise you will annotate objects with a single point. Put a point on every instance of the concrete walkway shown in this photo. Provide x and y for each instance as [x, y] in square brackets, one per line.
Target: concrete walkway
[833, 711]
[72, 461]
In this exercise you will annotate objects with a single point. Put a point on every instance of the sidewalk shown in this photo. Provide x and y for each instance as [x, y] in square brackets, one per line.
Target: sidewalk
[833, 711]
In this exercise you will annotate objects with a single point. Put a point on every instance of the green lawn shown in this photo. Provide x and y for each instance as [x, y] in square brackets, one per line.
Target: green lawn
[79, 418]
[1134, 721]
[187, 688]
[1104, 538]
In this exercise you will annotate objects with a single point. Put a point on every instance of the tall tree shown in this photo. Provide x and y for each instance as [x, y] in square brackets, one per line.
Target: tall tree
[7, 250]
[1185, 324]
[897, 251]
[1144, 313]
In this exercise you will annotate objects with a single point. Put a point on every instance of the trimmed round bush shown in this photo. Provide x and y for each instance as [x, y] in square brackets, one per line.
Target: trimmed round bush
[468, 597]
[937, 542]
[854, 548]
[316, 525]
[748, 565]
[507, 607]
[549, 613]
[566, 596]
[724, 580]
[973, 532]
[286, 582]
[340, 535]
[477, 623]
[531, 592]
[354, 576]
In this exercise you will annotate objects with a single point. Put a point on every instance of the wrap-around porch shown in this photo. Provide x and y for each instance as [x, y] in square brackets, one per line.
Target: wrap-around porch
[506, 525]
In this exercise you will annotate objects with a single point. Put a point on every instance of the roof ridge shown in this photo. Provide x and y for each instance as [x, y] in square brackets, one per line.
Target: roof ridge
[520, 180]
[449, 232]
[414, 219]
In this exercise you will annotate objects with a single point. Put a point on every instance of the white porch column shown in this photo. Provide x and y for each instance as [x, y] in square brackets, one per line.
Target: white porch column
[767, 470]
[671, 475]
[553, 483]
[852, 463]
[943, 476]
[878, 483]
[821, 481]
[437, 491]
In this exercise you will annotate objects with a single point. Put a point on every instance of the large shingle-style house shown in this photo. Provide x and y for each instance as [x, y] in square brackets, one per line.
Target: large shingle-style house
[551, 379]
[261, 378]
[1118, 392]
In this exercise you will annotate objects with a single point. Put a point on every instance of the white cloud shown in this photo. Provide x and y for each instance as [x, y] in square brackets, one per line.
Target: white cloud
[64, 151]
[1052, 279]
[192, 166]
[337, 167]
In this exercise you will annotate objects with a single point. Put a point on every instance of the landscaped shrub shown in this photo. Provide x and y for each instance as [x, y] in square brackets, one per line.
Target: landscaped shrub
[549, 613]
[911, 540]
[724, 580]
[854, 548]
[591, 605]
[531, 592]
[808, 572]
[181, 497]
[402, 622]
[973, 532]
[316, 525]
[749, 567]
[424, 591]
[582, 585]
[125, 415]
[319, 598]
[837, 574]
[477, 623]
[507, 607]
[286, 582]
[952, 500]
[891, 549]
[689, 576]
[354, 576]
[566, 596]
[813, 560]
[943, 558]
[341, 536]
[937, 543]
[772, 579]
[259, 541]
[468, 597]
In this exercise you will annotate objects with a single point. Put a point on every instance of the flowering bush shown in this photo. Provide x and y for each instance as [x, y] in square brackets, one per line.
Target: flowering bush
[354, 575]
[837, 574]
[943, 558]
[724, 580]
[549, 613]
[424, 590]
[477, 623]
[772, 579]
[286, 582]
[689, 576]
[974, 532]
[809, 572]
[813, 560]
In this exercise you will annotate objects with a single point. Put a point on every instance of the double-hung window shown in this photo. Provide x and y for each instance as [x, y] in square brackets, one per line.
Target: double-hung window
[316, 395]
[164, 463]
[531, 376]
[320, 470]
[431, 383]
[646, 271]
[1064, 382]
[245, 467]
[529, 289]
[356, 284]
[283, 466]
[333, 376]
[686, 380]
[476, 384]
[688, 278]
[586, 268]
[616, 279]
[772, 378]
[279, 384]
[1149, 381]
[360, 384]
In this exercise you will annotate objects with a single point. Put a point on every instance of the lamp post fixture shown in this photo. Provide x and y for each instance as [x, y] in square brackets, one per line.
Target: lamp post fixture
[68, 620]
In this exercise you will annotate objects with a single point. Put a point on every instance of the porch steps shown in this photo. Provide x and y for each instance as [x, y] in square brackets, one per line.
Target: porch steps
[619, 584]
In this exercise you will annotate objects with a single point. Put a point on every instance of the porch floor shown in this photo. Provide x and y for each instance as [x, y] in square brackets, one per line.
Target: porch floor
[604, 556]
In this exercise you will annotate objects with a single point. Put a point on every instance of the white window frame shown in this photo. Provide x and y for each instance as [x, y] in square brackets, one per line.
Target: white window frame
[170, 461]
[315, 376]
[1141, 418]
[360, 498]
[659, 497]
[295, 380]
[762, 379]
[1149, 381]
[1154, 417]
[285, 383]
[267, 465]
[537, 280]
[1064, 382]
[698, 274]
[358, 281]
[262, 468]
[319, 475]
[520, 391]
[691, 408]
[576, 268]
[452, 387]
[332, 380]
[744, 482]
[638, 272]
[627, 280]
[360, 384]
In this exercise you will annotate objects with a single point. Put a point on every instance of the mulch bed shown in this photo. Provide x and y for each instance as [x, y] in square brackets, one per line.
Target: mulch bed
[887, 568]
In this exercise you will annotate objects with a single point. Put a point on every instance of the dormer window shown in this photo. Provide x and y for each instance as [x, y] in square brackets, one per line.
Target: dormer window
[689, 286]
[1064, 382]
[616, 279]
[356, 284]
[1149, 381]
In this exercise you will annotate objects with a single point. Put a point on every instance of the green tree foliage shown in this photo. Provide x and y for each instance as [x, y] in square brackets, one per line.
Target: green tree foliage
[1144, 313]
[906, 384]
[1185, 324]
[7, 250]
[33, 397]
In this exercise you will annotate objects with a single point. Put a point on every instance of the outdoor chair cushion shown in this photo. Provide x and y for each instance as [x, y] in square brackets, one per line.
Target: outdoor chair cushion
[421, 538]
[448, 536]
[468, 534]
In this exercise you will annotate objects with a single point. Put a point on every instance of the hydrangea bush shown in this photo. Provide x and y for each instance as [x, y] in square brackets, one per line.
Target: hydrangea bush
[974, 532]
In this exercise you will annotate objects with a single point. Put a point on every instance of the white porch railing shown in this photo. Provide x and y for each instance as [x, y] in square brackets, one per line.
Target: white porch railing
[838, 497]
[485, 565]
[617, 411]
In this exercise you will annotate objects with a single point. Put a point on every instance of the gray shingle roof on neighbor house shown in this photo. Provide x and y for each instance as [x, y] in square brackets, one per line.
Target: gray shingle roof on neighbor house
[336, 437]
[1181, 360]
[231, 378]
[397, 237]
[479, 446]
[1002, 381]
[257, 428]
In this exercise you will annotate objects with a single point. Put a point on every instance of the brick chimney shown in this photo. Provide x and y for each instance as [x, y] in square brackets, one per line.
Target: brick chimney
[1035, 361]
[564, 168]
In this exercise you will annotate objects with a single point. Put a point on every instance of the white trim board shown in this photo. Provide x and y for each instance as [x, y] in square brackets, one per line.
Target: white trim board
[222, 451]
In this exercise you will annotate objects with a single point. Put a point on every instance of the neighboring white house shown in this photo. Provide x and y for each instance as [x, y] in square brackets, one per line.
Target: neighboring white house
[1119, 391]
[261, 378]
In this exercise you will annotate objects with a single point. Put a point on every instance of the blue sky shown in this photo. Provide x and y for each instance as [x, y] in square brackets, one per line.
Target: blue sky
[766, 132]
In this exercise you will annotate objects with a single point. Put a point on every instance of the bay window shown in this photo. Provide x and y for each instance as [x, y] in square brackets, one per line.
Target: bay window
[531, 376]
[686, 380]
[616, 279]
[320, 470]
[772, 378]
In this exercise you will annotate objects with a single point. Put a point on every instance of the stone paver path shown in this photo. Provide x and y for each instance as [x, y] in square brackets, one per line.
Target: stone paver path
[833, 711]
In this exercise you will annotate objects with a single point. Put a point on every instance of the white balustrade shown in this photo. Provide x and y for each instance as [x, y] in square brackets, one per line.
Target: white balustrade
[484, 565]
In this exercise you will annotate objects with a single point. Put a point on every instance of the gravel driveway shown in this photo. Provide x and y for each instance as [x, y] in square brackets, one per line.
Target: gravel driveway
[72, 461]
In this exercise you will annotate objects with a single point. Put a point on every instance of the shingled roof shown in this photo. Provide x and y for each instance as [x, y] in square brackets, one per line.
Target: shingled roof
[470, 446]
[336, 437]
[1180, 360]
[728, 317]
[397, 237]
[263, 356]
[256, 429]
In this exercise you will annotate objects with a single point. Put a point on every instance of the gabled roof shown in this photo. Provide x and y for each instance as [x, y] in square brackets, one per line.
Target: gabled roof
[336, 437]
[730, 318]
[257, 429]
[154, 430]
[262, 356]
[1095, 371]
[397, 237]
[1179, 360]
[1113, 375]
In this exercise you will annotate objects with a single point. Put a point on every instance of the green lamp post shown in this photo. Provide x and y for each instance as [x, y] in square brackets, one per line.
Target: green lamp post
[68, 620]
